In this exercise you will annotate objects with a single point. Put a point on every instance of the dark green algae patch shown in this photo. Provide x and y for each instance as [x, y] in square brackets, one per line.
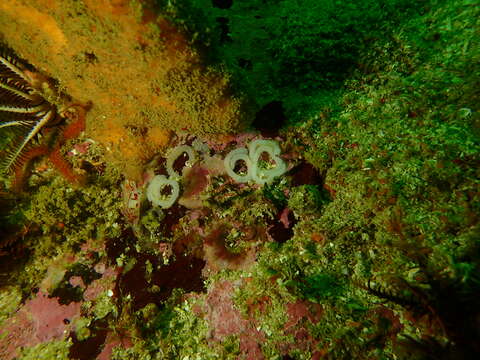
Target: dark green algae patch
[368, 248]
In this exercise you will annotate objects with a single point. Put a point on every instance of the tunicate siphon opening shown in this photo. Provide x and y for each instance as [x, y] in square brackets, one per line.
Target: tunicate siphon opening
[178, 158]
[265, 161]
[180, 162]
[241, 167]
[166, 190]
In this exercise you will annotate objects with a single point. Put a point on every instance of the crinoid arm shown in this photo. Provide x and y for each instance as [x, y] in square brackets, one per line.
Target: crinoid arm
[23, 110]
[15, 123]
[18, 146]
[16, 91]
[12, 68]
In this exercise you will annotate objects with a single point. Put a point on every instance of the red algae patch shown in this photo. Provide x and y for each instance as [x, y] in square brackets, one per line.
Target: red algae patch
[226, 320]
[196, 181]
[41, 319]
[303, 310]
[111, 342]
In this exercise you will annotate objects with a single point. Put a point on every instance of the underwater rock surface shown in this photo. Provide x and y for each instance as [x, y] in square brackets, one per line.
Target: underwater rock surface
[364, 244]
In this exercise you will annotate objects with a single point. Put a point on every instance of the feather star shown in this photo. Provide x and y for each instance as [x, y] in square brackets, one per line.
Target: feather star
[23, 107]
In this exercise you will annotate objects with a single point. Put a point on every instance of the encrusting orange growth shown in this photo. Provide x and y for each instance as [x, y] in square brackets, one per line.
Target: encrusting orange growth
[47, 27]
[158, 137]
[134, 145]
[139, 72]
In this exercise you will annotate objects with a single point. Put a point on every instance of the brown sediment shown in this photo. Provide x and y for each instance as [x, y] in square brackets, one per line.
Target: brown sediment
[134, 66]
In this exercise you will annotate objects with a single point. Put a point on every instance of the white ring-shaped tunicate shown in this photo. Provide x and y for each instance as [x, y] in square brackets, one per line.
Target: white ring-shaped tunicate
[154, 191]
[255, 144]
[262, 175]
[174, 154]
[240, 154]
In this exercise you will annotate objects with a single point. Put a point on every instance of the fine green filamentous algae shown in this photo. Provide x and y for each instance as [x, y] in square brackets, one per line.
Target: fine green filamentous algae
[361, 241]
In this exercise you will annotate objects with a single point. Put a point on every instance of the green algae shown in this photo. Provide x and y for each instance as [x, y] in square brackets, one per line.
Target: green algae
[54, 350]
[306, 200]
[172, 332]
[82, 332]
[295, 52]
[10, 300]
[104, 305]
[67, 217]
[397, 232]
[88, 212]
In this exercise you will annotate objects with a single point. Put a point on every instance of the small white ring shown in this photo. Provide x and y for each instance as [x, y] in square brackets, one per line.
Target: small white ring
[154, 191]
[174, 154]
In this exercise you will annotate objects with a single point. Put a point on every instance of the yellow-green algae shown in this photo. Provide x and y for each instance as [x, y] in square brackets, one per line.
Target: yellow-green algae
[53, 350]
[63, 217]
[399, 152]
[10, 300]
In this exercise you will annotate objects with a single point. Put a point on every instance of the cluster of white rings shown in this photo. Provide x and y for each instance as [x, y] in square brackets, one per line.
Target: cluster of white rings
[159, 182]
[251, 157]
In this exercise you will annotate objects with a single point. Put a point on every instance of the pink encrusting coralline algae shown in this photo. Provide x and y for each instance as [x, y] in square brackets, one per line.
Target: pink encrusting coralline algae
[40, 320]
